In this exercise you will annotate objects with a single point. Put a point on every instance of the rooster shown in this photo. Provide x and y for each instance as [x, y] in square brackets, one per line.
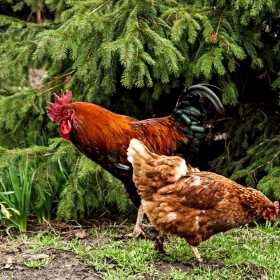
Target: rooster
[194, 205]
[104, 136]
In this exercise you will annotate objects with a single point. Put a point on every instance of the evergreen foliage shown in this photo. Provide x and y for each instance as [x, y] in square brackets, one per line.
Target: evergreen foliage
[133, 57]
[63, 174]
[252, 154]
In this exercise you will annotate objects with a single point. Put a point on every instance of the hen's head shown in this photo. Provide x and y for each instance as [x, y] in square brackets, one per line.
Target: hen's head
[270, 213]
[60, 115]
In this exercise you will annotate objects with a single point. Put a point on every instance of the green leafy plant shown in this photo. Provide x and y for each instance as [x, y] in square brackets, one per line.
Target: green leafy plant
[50, 174]
[17, 187]
[6, 214]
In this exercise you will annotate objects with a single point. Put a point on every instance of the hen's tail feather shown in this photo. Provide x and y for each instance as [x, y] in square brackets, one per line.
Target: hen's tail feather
[151, 169]
[134, 149]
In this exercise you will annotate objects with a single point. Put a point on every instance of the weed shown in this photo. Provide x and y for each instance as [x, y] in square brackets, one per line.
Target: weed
[38, 263]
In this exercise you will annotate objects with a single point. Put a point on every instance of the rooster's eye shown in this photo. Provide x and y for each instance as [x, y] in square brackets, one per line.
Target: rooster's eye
[65, 113]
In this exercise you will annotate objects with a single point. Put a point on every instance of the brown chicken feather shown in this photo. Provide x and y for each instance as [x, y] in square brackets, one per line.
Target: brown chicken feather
[104, 136]
[193, 205]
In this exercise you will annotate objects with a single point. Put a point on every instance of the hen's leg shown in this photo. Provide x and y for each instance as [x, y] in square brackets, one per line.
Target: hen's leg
[196, 253]
[138, 226]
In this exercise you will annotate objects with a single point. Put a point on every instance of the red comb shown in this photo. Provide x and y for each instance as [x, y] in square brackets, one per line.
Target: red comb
[59, 102]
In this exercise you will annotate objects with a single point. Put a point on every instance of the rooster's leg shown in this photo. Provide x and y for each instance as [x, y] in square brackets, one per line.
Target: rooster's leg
[137, 232]
[196, 253]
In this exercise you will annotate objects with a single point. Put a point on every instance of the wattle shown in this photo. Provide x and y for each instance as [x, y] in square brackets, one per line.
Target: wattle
[64, 129]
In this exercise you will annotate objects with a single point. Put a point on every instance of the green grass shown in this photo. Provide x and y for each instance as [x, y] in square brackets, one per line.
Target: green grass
[236, 254]
[38, 263]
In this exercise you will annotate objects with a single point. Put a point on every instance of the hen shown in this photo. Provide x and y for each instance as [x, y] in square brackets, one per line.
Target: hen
[104, 136]
[191, 204]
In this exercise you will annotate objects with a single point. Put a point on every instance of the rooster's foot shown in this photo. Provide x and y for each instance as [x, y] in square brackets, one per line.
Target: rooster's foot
[137, 232]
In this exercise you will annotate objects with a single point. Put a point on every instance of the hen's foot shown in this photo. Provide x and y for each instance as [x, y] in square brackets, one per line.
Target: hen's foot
[196, 253]
[159, 243]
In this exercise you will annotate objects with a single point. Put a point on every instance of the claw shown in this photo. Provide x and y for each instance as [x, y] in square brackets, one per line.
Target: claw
[137, 232]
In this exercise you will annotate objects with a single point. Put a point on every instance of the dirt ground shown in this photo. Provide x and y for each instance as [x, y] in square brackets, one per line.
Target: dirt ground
[65, 265]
